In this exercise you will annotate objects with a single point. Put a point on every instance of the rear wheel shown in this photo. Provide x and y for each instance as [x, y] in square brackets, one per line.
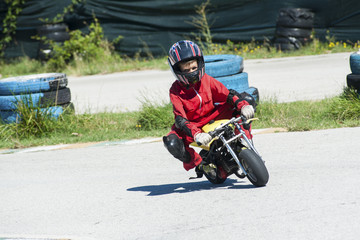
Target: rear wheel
[255, 167]
[221, 174]
[219, 178]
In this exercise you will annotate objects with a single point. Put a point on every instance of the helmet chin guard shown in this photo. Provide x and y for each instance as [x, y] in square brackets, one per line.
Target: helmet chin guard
[184, 51]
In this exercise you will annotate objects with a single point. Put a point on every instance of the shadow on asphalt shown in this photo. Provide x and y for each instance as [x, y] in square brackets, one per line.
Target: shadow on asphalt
[156, 190]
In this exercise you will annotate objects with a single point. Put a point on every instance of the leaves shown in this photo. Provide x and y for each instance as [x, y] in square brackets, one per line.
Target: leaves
[9, 23]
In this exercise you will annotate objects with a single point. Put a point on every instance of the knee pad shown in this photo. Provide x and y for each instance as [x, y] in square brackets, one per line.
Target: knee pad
[176, 147]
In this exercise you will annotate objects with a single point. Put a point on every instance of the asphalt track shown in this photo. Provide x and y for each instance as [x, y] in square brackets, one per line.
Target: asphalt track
[136, 190]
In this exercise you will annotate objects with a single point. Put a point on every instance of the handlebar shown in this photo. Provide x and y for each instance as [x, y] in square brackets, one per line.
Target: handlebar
[231, 121]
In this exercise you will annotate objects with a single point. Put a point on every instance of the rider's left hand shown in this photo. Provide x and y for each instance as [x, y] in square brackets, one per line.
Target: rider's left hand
[248, 111]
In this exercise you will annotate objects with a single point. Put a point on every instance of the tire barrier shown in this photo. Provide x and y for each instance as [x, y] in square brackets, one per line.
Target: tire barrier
[55, 112]
[228, 69]
[290, 43]
[33, 83]
[296, 18]
[238, 82]
[223, 65]
[355, 62]
[293, 28]
[46, 92]
[35, 100]
[55, 32]
[353, 79]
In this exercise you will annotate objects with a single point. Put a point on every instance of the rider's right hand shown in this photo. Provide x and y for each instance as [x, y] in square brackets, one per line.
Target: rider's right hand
[202, 138]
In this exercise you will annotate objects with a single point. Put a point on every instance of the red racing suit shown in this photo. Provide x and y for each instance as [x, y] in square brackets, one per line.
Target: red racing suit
[195, 106]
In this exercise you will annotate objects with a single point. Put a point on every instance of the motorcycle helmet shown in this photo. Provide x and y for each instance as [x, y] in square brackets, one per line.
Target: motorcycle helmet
[184, 51]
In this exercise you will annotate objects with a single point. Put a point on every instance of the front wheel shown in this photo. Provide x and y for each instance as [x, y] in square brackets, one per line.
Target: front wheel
[255, 167]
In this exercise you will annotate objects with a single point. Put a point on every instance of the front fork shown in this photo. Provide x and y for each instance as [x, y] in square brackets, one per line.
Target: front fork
[231, 151]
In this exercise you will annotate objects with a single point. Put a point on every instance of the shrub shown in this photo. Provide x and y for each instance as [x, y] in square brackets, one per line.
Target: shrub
[81, 47]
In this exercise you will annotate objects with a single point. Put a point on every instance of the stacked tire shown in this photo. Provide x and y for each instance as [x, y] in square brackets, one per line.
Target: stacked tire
[353, 79]
[46, 92]
[57, 33]
[293, 28]
[228, 69]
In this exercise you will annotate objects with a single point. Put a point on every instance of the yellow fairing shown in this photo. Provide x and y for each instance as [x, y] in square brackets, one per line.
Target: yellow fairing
[208, 128]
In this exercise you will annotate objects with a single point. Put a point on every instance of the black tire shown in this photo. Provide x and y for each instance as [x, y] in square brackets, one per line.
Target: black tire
[292, 32]
[255, 167]
[57, 33]
[296, 17]
[353, 81]
[219, 179]
[292, 40]
[287, 44]
[35, 100]
[58, 36]
[285, 47]
[46, 29]
[294, 23]
[54, 98]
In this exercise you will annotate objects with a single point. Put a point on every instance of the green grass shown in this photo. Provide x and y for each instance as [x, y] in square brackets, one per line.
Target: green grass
[156, 120]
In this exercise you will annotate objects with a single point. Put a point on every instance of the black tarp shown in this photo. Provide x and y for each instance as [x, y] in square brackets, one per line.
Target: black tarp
[156, 24]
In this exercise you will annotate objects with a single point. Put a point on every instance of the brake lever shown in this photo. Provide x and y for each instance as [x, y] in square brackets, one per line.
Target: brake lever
[212, 134]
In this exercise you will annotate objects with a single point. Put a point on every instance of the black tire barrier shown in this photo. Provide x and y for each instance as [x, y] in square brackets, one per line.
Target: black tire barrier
[223, 65]
[355, 62]
[58, 36]
[51, 28]
[36, 100]
[33, 83]
[293, 32]
[286, 44]
[13, 116]
[285, 47]
[295, 18]
[353, 81]
[294, 24]
[55, 32]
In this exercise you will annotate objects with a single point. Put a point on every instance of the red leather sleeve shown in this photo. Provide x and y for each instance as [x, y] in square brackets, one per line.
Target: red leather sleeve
[181, 121]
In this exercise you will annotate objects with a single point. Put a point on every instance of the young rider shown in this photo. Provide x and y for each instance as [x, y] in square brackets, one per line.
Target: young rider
[197, 98]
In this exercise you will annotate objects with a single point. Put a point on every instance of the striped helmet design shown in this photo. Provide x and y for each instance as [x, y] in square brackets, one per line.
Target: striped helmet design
[182, 51]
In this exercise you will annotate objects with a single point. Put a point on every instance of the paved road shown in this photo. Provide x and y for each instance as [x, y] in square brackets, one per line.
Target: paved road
[138, 191]
[283, 79]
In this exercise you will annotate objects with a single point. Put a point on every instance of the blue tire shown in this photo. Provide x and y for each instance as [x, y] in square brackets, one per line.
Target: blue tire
[355, 63]
[238, 82]
[14, 116]
[32, 83]
[35, 100]
[223, 65]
